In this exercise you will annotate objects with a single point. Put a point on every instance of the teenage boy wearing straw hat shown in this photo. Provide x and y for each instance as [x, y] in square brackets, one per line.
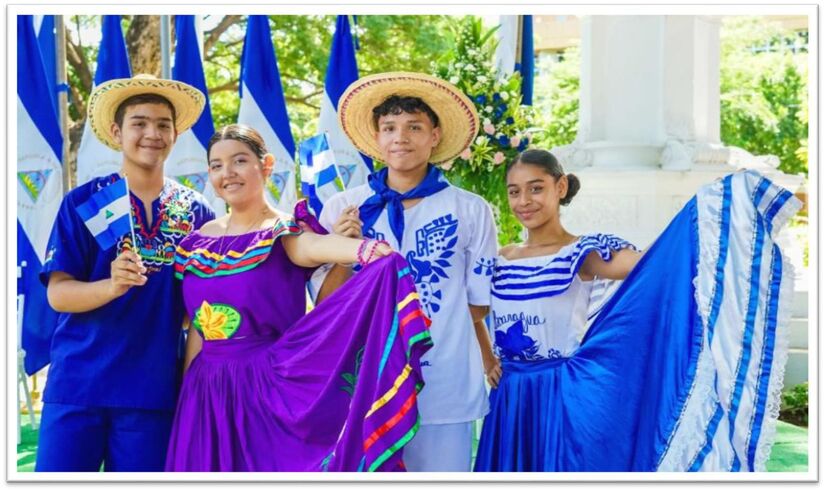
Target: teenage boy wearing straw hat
[111, 390]
[411, 121]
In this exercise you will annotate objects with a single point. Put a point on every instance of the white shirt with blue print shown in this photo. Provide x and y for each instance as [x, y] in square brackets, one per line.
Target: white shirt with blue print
[541, 307]
[450, 242]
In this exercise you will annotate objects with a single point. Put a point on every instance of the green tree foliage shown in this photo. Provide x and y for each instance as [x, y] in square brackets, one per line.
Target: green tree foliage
[795, 405]
[764, 91]
[302, 44]
[557, 99]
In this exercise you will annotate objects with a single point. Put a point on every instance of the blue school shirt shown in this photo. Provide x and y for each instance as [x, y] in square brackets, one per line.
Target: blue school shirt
[124, 353]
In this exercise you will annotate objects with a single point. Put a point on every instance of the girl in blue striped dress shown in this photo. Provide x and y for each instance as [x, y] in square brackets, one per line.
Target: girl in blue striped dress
[678, 367]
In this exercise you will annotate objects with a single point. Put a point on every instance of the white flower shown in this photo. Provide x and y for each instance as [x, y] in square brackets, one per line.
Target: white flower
[487, 121]
[454, 80]
[488, 109]
[480, 140]
[482, 78]
[505, 96]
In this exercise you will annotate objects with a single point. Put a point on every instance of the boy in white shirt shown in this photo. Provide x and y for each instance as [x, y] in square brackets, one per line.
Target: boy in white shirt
[411, 121]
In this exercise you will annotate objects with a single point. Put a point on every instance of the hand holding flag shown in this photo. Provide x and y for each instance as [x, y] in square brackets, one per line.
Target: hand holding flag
[127, 271]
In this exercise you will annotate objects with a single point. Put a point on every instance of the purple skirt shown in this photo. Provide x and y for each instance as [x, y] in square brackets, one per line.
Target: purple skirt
[336, 392]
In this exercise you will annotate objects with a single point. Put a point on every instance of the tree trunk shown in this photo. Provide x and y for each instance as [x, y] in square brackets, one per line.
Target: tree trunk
[75, 133]
[143, 44]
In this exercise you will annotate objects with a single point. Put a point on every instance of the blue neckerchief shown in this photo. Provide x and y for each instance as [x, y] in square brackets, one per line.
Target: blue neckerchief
[371, 209]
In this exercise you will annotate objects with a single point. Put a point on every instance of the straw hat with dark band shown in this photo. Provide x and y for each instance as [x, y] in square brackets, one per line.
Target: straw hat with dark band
[107, 97]
[457, 116]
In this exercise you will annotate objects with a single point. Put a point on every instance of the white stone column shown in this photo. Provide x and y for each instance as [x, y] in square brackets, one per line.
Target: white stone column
[649, 118]
[621, 117]
[691, 78]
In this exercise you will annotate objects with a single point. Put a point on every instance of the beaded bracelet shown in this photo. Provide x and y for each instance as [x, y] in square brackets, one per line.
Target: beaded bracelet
[360, 254]
[373, 247]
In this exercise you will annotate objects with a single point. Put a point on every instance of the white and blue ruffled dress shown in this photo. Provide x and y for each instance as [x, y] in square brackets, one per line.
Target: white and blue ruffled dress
[677, 368]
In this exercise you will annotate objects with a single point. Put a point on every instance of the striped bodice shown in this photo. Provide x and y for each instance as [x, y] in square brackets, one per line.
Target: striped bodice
[540, 305]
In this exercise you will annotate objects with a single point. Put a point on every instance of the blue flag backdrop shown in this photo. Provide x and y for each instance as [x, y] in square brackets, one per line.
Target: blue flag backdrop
[511, 34]
[527, 64]
[187, 161]
[39, 191]
[263, 107]
[44, 26]
[353, 167]
[93, 157]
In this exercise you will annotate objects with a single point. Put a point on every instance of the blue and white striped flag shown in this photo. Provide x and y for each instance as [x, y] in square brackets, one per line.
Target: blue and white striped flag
[107, 214]
[320, 179]
[527, 65]
[187, 161]
[94, 159]
[507, 57]
[44, 27]
[39, 191]
[342, 70]
[263, 107]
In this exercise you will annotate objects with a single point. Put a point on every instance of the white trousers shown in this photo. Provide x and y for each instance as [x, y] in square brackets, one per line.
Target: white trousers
[440, 448]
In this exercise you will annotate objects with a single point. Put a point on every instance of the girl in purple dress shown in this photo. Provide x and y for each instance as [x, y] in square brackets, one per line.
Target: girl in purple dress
[268, 387]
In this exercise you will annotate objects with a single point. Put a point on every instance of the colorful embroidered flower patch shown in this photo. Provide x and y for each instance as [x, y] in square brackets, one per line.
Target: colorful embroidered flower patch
[217, 321]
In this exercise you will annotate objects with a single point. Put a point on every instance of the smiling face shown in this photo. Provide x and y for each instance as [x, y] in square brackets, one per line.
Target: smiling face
[146, 135]
[534, 194]
[236, 173]
[407, 140]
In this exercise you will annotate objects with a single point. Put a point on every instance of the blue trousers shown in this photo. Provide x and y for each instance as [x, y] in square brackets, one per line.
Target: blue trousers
[81, 438]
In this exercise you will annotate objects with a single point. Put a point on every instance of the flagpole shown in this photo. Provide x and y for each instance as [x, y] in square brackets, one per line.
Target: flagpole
[63, 100]
[335, 165]
[519, 27]
[131, 224]
[165, 47]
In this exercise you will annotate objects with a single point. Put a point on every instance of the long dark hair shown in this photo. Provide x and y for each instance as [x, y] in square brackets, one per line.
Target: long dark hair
[549, 164]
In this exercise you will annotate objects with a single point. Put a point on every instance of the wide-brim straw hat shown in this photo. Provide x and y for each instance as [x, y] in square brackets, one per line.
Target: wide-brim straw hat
[457, 116]
[107, 97]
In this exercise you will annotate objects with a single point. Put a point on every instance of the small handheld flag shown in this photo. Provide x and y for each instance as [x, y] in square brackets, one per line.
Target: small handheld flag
[320, 178]
[342, 70]
[107, 214]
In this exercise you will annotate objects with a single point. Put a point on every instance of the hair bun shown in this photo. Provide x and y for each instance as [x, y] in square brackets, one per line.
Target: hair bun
[573, 186]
